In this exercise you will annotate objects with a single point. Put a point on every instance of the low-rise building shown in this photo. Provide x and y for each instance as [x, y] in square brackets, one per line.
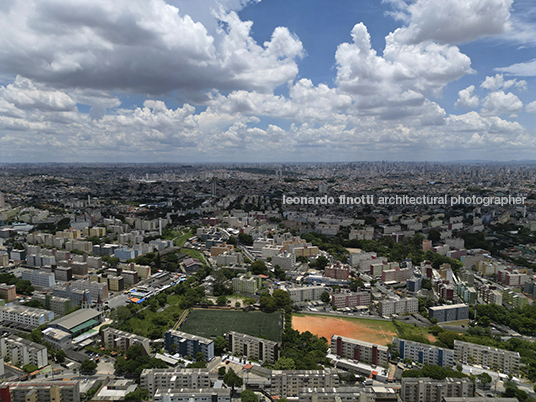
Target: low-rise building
[289, 383]
[26, 316]
[362, 351]
[253, 347]
[487, 356]
[22, 351]
[243, 284]
[342, 300]
[113, 338]
[154, 379]
[402, 306]
[8, 292]
[308, 293]
[37, 391]
[446, 313]
[430, 390]
[193, 395]
[59, 305]
[188, 345]
[424, 354]
[58, 338]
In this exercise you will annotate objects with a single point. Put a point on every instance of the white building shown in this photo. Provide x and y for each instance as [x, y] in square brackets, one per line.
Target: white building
[23, 351]
[424, 354]
[309, 293]
[27, 316]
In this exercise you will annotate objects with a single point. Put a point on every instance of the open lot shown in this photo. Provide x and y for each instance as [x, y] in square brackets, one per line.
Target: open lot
[212, 323]
[374, 331]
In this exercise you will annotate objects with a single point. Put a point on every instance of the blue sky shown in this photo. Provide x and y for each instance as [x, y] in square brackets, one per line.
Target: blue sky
[267, 81]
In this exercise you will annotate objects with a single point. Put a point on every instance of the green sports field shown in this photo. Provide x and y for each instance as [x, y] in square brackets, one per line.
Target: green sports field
[212, 323]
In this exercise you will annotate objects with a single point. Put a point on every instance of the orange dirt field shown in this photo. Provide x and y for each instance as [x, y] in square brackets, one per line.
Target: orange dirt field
[367, 331]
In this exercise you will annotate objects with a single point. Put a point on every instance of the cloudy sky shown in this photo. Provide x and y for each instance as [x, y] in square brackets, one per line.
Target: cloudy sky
[267, 81]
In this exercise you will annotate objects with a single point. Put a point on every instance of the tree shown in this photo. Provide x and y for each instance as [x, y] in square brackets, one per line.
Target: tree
[231, 379]
[221, 300]
[434, 235]
[221, 371]
[60, 356]
[30, 368]
[219, 345]
[259, 268]
[321, 262]
[485, 379]
[88, 366]
[139, 395]
[285, 363]
[267, 303]
[325, 297]
[282, 298]
[248, 395]
[199, 356]
[24, 288]
[245, 239]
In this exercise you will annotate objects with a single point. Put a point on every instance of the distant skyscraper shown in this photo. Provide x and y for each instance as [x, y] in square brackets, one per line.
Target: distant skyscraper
[2, 201]
[213, 188]
[322, 188]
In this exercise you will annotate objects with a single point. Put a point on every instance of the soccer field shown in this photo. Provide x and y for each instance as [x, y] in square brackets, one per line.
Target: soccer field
[212, 323]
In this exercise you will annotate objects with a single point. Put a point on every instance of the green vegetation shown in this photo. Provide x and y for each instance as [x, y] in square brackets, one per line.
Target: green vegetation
[411, 332]
[435, 372]
[181, 239]
[88, 366]
[23, 287]
[136, 362]
[522, 320]
[211, 323]
[139, 395]
[231, 379]
[248, 395]
[30, 368]
[301, 351]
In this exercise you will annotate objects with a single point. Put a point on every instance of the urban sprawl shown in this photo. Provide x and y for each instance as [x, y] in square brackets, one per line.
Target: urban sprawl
[369, 281]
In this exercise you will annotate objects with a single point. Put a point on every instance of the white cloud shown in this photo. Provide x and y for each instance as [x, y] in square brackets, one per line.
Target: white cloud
[467, 99]
[142, 47]
[454, 21]
[23, 94]
[531, 107]
[405, 72]
[498, 102]
[498, 82]
[527, 69]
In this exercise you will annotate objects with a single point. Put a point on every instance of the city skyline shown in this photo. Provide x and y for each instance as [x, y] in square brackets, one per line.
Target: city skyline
[266, 81]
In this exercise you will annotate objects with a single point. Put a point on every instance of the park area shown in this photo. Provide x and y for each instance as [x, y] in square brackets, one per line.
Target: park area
[374, 331]
[212, 323]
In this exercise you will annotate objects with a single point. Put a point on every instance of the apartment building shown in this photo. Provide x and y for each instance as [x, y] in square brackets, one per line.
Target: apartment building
[244, 284]
[253, 347]
[487, 356]
[349, 348]
[113, 338]
[58, 338]
[337, 271]
[38, 278]
[59, 305]
[430, 390]
[53, 391]
[414, 284]
[398, 275]
[8, 292]
[189, 345]
[193, 395]
[342, 300]
[467, 293]
[286, 261]
[154, 379]
[288, 383]
[22, 351]
[309, 293]
[75, 295]
[96, 289]
[446, 313]
[402, 306]
[423, 353]
[26, 316]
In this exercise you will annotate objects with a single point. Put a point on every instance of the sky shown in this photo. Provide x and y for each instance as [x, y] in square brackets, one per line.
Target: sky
[267, 80]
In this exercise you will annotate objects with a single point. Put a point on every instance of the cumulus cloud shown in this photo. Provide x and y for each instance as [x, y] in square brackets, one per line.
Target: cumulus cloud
[467, 99]
[405, 72]
[498, 102]
[526, 69]
[531, 107]
[143, 47]
[453, 21]
[498, 82]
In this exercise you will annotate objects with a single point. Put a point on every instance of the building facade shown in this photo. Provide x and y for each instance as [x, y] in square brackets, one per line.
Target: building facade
[349, 348]
[429, 390]
[113, 338]
[253, 347]
[189, 345]
[424, 354]
[487, 357]
[154, 379]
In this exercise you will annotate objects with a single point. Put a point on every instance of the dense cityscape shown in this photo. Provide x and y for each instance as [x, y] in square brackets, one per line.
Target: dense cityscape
[171, 282]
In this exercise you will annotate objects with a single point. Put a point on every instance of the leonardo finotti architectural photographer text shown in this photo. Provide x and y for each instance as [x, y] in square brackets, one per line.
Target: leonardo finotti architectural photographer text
[405, 200]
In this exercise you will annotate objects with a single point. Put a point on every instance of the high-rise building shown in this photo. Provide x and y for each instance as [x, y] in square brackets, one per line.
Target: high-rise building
[189, 345]
[253, 347]
[362, 351]
[424, 354]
